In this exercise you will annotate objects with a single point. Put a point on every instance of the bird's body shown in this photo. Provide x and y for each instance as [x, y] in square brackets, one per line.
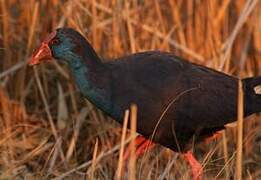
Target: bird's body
[178, 102]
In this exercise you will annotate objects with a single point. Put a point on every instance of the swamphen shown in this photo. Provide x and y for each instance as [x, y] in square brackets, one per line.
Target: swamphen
[179, 102]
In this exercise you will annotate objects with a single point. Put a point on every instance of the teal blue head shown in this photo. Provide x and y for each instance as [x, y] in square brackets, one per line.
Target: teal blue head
[64, 45]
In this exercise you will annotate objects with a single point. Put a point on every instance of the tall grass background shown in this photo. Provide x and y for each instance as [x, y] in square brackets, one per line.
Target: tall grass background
[47, 130]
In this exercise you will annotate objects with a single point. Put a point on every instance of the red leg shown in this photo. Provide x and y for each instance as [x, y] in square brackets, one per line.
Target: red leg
[145, 146]
[196, 167]
[142, 144]
[215, 136]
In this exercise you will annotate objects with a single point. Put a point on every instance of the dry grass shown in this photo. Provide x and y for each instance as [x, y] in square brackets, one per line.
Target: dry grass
[48, 131]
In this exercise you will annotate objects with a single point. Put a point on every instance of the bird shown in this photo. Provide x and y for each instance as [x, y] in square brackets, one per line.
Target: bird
[179, 103]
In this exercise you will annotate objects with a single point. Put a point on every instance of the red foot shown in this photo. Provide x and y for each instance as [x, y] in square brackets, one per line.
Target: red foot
[196, 167]
[142, 145]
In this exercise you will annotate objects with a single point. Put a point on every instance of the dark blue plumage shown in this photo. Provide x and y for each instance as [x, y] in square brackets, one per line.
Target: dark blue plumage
[181, 101]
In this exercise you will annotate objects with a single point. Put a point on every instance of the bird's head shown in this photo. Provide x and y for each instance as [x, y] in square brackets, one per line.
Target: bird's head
[63, 44]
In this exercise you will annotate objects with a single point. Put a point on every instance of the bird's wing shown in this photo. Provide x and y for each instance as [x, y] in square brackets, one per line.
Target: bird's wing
[157, 82]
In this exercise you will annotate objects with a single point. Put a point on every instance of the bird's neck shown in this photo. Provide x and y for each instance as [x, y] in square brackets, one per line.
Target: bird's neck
[92, 78]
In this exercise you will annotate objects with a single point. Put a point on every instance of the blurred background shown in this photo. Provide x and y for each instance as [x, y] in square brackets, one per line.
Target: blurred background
[48, 130]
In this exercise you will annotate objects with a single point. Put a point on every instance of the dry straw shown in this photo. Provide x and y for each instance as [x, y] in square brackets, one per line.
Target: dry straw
[240, 114]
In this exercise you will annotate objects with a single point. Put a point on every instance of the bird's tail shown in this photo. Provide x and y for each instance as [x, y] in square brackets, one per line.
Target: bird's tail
[252, 91]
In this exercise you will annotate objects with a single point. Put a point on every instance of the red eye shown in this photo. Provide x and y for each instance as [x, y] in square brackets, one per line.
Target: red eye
[55, 42]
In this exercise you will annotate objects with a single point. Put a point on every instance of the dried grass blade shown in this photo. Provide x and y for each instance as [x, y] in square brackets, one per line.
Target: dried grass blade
[240, 114]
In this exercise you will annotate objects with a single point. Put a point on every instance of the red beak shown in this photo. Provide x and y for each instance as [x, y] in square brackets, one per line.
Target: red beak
[42, 54]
